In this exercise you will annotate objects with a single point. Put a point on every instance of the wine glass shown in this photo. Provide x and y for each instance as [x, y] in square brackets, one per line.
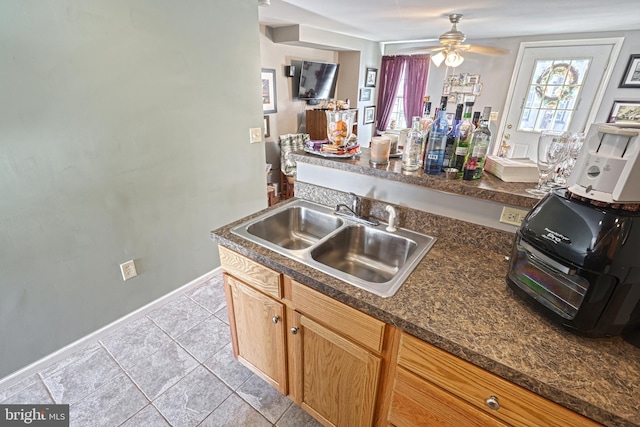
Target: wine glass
[576, 141]
[557, 154]
[545, 164]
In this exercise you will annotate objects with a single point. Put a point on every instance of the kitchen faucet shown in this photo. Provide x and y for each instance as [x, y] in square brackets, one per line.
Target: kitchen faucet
[355, 211]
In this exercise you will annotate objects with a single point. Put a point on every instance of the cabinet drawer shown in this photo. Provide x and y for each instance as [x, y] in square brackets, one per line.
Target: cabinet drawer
[349, 322]
[416, 402]
[475, 385]
[251, 272]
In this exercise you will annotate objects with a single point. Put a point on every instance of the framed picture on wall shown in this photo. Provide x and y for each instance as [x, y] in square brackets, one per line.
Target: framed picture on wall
[365, 94]
[269, 91]
[625, 112]
[631, 76]
[369, 114]
[371, 77]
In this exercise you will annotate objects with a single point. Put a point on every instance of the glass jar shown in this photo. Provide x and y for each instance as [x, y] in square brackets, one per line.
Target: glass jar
[340, 126]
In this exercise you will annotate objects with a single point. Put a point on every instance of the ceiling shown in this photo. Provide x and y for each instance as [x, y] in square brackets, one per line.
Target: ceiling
[419, 20]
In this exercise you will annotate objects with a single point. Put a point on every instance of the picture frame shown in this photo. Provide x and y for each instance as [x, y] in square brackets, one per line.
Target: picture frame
[369, 115]
[371, 77]
[625, 113]
[365, 94]
[631, 76]
[266, 127]
[269, 103]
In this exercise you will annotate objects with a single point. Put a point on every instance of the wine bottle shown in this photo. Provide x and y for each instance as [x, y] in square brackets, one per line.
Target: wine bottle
[451, 138]
[437, 141]
[477, 152]
[412, 147]
[463, 138]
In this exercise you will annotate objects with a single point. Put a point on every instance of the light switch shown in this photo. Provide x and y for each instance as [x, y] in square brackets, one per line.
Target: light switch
[255, 135]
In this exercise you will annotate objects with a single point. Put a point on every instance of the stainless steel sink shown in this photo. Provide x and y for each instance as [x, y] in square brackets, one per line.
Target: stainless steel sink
[295, 228]
[368, 257]
[365, 252]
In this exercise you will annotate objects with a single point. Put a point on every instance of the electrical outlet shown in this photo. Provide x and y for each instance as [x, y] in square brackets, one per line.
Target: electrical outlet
[512, 216]
[128, 270]
[494, 116]
[255, 135]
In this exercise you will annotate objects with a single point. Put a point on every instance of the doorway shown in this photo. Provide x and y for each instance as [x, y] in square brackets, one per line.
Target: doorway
[555, 86]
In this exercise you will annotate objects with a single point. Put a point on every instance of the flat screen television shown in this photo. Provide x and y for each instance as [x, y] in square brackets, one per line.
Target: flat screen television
[317, 80]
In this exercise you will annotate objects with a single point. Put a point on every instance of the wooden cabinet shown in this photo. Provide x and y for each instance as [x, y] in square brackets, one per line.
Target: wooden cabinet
[259, 333]
[334, 376]
[452, 392]
[316, 122]
[326, 356]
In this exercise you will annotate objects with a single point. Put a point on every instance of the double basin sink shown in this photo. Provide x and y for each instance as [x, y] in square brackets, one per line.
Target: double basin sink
[365, 256]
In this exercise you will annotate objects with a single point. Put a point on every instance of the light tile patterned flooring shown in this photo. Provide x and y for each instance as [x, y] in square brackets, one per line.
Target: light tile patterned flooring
[172, 367]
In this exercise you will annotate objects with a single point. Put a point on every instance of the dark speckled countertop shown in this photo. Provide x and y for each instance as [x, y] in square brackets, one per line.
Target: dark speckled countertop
[458, 300]
[488, 187]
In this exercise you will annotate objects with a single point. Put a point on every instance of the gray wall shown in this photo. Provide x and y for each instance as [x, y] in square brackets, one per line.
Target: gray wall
[124, 134]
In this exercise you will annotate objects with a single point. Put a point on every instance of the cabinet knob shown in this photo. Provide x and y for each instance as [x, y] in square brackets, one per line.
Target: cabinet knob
[492, 402]
[294, 330]
[275, 319]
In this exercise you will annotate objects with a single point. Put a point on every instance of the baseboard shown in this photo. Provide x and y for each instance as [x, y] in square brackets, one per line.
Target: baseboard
[64, 352]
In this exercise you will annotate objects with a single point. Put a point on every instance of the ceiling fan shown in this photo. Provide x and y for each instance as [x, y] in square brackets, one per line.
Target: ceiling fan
[452, 46]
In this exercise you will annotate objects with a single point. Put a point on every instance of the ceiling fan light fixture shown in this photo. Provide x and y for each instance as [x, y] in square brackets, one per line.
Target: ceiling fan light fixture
[453, 59]
[438, 58]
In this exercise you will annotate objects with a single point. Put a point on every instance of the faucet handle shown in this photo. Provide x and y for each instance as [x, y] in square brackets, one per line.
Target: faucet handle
[356, 205]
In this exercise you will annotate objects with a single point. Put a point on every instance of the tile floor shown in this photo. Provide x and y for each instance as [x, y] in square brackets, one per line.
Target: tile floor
[172, 367]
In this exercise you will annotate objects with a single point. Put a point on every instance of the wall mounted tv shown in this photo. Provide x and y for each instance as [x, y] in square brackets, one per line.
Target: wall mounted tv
[317, 81]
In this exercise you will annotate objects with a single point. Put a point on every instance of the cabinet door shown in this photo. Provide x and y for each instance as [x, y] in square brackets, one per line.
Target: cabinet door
[258, 332]
[336, 378]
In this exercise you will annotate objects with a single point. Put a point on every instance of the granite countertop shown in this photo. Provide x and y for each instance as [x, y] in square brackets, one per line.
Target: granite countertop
[488, 187]
[458, 300]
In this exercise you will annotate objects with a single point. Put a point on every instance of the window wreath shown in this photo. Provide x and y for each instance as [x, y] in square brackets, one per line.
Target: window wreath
[561, 92]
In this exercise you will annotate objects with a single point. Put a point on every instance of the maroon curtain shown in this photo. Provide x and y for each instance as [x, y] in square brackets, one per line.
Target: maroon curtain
[415, 85]
[390, 74]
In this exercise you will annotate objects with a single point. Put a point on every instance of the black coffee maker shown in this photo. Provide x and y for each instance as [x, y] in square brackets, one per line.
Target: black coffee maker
[577, 258]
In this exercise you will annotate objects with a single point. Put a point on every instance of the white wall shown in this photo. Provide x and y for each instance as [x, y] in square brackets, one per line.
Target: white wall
[124, 132]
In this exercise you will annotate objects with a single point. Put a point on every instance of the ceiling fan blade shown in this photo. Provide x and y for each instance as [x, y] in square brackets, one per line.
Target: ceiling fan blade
[423, 48]
[484, 50]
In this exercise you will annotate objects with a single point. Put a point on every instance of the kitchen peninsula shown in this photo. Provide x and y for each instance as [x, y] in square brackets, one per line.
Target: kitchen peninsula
[457, 300]
[477, 201]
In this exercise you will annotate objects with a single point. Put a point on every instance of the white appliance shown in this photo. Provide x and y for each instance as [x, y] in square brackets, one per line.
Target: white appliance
[608, 166]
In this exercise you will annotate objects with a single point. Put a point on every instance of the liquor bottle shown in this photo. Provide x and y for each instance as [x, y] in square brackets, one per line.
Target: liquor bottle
[451, 138]
[437, 141]
[462, 140]
[476, 119]
[425, 126]
[412, 147]
[477, 152]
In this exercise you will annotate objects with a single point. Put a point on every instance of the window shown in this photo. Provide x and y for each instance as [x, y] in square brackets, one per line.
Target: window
[552, 95]
[397, 113]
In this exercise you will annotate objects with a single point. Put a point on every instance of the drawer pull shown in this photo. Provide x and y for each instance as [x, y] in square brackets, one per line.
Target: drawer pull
[294, 330]
[275, 319]
[492, 402]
